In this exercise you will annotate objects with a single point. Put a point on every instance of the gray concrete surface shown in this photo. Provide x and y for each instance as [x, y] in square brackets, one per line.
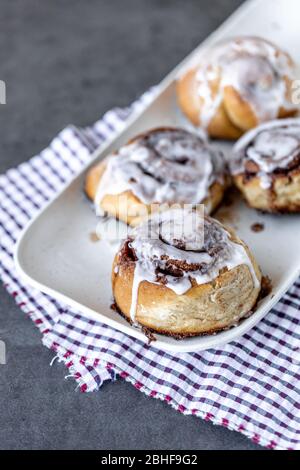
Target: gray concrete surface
[68, 62]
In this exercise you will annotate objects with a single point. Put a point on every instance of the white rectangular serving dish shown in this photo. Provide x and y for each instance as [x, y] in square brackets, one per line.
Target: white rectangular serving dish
[55, 253]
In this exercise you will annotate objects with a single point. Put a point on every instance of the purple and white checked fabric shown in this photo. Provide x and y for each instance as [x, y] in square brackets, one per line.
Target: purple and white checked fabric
[250, 385]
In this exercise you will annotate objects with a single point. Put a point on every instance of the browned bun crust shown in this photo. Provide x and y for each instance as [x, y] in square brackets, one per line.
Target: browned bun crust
[203, 309]
[265, 166]
[220, 126]
[234, 115]
[127, 207]
[92, 179]
[120, 206]
[282, 197]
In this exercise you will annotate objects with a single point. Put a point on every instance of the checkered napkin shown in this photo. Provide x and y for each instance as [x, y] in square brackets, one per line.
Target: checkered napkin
[250, 385]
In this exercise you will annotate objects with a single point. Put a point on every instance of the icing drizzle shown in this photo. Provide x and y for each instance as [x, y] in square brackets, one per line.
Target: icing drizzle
[180, 247]
[252, 66]
[163, 166]
[272, 147]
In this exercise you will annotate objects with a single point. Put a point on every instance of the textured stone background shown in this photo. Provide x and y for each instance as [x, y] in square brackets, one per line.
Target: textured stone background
[68, 62]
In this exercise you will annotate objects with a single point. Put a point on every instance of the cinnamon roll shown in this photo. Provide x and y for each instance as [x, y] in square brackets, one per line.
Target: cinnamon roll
[184, 274]
[164, 165]
[266, 166]
[242, 83]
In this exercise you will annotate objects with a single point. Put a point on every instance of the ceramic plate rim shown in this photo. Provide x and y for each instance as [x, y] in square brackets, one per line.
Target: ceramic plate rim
[205, 342]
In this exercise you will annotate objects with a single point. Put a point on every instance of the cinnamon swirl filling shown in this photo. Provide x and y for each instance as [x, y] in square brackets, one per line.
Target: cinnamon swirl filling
[163, 166]
[255, 68]
[269, 150]
[179, 249]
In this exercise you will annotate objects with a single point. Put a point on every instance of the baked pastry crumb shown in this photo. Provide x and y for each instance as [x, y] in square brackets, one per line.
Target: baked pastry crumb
[257, 227]
[184, 286]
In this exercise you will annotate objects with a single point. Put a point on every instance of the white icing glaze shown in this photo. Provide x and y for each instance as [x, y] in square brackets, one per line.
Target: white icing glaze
[165, 166]
[254, 68]
[272, 146]
[211, 101]
[176, 246]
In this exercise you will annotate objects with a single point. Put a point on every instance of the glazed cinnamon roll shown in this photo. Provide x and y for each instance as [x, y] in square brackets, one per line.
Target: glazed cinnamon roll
[266, 166]
[164, 165]
[184, 274]
[240, 84]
